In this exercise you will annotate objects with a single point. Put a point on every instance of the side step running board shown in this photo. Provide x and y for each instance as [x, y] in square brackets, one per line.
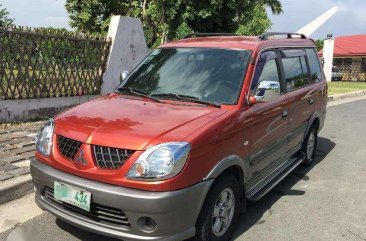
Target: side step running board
[264, 190]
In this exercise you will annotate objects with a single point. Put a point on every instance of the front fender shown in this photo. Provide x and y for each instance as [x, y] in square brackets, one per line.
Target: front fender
[224, 164]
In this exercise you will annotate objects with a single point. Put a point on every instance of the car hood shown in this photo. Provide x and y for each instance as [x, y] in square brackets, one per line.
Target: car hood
[126, 122]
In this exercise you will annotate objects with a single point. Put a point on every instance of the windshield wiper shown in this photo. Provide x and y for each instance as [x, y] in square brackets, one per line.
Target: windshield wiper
[138, 93]
[187, 98]
[175, 96]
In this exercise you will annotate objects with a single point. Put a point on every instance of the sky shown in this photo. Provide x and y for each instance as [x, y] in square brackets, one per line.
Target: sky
[350, 18]
[38, 13]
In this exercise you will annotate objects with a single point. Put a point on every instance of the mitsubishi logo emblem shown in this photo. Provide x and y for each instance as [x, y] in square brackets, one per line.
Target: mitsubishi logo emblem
[79, 158]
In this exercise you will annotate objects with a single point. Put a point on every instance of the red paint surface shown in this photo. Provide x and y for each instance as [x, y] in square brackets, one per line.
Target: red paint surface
[135, 123]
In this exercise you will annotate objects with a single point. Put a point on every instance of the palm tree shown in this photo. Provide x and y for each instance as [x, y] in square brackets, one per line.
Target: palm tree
[275, 5]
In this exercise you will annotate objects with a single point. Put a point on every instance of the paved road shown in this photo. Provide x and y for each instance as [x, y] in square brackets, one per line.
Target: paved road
[326, 201]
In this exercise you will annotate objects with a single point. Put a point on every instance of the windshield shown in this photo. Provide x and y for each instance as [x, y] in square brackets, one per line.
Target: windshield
[205, 74]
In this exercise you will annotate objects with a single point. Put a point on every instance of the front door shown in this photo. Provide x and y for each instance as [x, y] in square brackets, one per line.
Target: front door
[269, 129]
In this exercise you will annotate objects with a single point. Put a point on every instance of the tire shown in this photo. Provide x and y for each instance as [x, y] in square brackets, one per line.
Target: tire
[228, 186]
[309, 146]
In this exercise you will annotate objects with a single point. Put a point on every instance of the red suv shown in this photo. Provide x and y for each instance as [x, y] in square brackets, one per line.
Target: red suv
[199, 127]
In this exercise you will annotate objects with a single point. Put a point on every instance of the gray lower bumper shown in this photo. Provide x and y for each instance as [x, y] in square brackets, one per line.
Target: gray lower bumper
[174, 212]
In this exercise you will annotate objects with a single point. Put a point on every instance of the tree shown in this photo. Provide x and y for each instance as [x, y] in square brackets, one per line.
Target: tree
[4, 17]
[256, 23]
[172, 19]
[319, 44]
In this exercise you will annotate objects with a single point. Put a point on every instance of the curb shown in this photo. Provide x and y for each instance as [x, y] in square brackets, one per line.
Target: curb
[16, 188]
[347, 95]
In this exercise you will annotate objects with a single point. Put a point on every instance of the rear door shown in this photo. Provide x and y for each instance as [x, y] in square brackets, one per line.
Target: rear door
[319, 84]
[269, 132]
[300, 94]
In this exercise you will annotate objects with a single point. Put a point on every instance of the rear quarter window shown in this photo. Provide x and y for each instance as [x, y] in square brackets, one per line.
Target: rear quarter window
[315, 71]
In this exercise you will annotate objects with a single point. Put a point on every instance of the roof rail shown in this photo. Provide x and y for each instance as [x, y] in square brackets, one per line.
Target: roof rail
[265, 36]
[192, 35]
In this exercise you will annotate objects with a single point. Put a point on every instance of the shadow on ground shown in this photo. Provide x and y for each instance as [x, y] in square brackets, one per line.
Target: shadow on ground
[81, 234]
[255, 210]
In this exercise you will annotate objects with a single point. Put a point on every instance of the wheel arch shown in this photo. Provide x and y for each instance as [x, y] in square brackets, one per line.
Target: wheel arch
[314, 120]
[231, 164]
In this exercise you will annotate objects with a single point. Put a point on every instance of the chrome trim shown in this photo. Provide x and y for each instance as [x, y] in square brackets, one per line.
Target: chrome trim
[109, 157]
[68, 147]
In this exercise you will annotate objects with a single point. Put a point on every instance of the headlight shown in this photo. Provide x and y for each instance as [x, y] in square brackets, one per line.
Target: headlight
[160, 162]
[44, 138]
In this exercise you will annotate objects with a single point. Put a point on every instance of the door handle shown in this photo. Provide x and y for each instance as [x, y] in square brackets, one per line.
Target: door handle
[311, 101]
[284, 114]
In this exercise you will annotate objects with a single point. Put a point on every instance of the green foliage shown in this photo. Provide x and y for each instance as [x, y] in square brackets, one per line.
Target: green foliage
[183, 30]
[4, 16]
[172, 19]
[319, 44]
[257, 22]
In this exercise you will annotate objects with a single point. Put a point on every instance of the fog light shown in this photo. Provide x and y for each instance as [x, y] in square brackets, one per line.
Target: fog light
[147, 225]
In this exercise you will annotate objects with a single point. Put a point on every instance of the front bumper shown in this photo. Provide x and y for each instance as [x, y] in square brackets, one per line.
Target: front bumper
[175, 212]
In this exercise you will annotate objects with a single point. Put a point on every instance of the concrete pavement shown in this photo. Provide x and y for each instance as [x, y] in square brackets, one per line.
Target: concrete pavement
[16, 149]
[323, 202]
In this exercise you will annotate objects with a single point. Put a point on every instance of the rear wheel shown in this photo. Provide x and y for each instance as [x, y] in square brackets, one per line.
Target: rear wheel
[309, 146]
[220, 211]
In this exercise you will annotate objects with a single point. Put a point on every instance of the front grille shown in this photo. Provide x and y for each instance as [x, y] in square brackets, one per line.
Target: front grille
[110, 158]
[98, 213]
[68, 147]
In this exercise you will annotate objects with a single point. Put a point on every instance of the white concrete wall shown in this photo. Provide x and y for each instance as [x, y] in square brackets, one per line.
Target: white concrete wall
[127, 50]
[328, 51]
[32, 109]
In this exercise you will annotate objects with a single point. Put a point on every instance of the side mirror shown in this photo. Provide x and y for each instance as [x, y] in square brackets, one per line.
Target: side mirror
[252, 100]
[124, 74]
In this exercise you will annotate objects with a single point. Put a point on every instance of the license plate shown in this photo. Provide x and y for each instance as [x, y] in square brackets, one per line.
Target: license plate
[72, 195]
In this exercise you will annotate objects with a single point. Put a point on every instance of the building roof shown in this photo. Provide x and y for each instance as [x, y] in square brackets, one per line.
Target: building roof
[354, 45]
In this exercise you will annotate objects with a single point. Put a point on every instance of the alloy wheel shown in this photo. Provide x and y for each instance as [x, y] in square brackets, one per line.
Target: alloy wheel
[223, 212]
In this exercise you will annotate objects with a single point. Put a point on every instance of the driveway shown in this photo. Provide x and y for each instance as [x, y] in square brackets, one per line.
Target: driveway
[326, 201]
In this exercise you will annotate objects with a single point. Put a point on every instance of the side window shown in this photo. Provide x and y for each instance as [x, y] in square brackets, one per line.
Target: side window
[266, 81]
[296, 72]
[347, 62]
[315, 71]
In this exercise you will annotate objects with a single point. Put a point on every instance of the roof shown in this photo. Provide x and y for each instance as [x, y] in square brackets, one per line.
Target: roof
[238, 42]
[354, 45]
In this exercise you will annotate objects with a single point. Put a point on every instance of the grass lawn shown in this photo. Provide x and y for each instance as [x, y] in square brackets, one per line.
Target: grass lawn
[335, 88]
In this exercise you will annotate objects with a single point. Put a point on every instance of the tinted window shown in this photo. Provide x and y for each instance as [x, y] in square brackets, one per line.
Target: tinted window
[296, 72]
[266, 81]
[337, 61]
[363, 65]
[212, 75]
[347, 61]
[314, 65]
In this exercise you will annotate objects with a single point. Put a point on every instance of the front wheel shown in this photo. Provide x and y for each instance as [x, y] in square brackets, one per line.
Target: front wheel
[220, 211]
